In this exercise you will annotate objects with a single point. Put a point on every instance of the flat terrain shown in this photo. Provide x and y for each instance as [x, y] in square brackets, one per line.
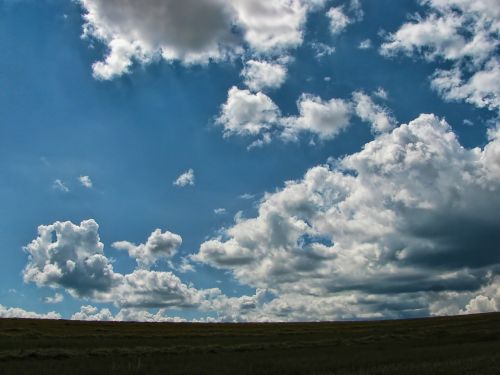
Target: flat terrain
[452, 345]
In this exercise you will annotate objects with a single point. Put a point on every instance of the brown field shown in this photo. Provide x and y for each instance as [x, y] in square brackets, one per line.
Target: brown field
[451, 345]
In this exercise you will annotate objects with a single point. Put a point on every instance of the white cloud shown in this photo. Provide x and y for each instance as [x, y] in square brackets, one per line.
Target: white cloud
[389, 232]
[326, 119]
[91, 313]
[338, 20]
[191, 31]
[344, 15]
[220, 211]
[321, 49]
[69, 256]
[247, 196]
[381, 93]
[379, 117]
[463, 32]
[185, 179]
[158, 246]
[86, 181]
[60, 186]
[365, 44]
[15, 312]
[245, 113]
[481, 89]
[248, 114]
[56, 298]
[261, 75]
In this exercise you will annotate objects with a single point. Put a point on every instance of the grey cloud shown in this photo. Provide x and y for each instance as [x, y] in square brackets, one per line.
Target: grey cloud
[191, 31]
[412, 213]
[69, 256]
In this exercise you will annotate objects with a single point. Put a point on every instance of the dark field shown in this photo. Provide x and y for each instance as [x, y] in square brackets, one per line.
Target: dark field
[455, 345]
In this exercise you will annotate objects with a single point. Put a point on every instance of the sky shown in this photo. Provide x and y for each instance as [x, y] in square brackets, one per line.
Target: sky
[247, 160]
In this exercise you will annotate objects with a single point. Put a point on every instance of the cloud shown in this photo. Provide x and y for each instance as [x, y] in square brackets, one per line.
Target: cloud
[158, 246]
[340, 18]
[245, 113]
[261, 75]
[481, 89]
[69, 256]
[381, 93]
[463, 33]
[326, 119]
[321, 49]
[15, 312]
[247, 196]
[487, 300]
[379, 117]
[60, 186]
[388, 232]
[220, 211]
[91, 313]
[86, 181]
[185, 179]
[190, 31]
[365, 44]
[56, 298]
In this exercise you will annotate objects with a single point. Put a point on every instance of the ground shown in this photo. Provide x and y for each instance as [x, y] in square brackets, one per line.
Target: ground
[446, 345]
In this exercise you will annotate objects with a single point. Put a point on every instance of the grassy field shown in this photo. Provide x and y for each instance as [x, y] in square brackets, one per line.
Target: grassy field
[453, 345]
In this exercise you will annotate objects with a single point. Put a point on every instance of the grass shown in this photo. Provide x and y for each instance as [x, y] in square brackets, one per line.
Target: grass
[448, 345]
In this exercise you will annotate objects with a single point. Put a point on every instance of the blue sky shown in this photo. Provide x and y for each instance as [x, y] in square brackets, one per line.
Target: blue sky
[176, 96]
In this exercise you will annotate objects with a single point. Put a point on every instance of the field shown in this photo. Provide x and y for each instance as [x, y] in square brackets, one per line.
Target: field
[452, 345]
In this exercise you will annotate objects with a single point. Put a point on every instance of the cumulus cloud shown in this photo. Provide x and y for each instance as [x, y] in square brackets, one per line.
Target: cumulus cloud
[261, 75]
[245, 113]
[190, 31]
[326, 119]
[92, 313]
[86, 181]
[463, 32]
[158, 246]
[70, 256]
[18, 313]
[185, 179]
[256, 115]
[388, 232]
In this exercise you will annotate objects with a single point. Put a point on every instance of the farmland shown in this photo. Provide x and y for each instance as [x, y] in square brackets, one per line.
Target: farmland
[446, 345]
